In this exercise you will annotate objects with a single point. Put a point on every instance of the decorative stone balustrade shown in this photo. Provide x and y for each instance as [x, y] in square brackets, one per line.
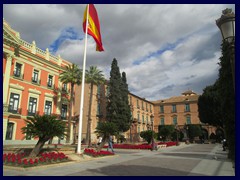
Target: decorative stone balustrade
[40, 51]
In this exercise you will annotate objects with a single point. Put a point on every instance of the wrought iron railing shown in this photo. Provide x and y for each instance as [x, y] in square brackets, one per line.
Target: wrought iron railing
[36, 81]
[13, 110]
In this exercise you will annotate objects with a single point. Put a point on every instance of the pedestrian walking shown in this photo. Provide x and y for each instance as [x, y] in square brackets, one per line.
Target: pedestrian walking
[110, 143]
[224, 144]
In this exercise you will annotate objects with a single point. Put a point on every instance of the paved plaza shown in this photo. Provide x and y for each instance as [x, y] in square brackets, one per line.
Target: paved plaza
[183, 160]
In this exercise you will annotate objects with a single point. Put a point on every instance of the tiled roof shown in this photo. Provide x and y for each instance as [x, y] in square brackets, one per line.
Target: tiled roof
[178, 99]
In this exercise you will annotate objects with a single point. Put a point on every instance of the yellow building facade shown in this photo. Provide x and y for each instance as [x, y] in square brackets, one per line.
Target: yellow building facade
[180, 111]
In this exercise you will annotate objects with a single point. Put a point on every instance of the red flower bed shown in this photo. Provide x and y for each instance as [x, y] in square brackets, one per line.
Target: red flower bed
[94, 153]
[23, 161]
[141, 146]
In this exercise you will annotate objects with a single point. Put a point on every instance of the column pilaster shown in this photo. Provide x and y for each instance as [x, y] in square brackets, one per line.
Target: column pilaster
[7, 77]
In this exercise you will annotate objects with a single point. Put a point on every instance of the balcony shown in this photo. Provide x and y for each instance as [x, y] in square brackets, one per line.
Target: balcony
[36, 81]
[18, 75]
[65, 91]
[14, 110]
[63, 117]
[33, 113]
[50, 85]
[59, 116]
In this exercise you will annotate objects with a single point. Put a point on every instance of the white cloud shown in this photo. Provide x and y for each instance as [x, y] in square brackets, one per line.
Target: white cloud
[165, 49]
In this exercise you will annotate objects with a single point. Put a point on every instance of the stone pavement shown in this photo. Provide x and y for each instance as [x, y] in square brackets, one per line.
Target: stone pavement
[183, 160]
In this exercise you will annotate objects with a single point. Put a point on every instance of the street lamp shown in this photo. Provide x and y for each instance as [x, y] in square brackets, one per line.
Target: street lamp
[131, 129]
[226, 24]
[176, 128]
[152, 117]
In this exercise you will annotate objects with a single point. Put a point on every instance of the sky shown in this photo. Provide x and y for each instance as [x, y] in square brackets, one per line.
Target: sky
[165, 49]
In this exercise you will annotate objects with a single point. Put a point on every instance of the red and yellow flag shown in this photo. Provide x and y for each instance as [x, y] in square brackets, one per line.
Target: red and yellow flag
[93, 26]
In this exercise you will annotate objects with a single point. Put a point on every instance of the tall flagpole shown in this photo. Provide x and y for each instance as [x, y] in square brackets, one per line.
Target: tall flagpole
[82, 92]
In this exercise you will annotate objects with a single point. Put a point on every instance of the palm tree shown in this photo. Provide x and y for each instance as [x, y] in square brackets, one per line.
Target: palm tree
[45, 128]
[95, 77]
[71, 75]
[105, 130]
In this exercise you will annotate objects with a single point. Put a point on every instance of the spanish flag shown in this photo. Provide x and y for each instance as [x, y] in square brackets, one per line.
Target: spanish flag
[93, 26]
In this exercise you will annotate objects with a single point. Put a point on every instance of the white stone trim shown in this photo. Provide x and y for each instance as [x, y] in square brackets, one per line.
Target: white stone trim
[5, 123]
[34, 91]
[49, 95]
[16, 86]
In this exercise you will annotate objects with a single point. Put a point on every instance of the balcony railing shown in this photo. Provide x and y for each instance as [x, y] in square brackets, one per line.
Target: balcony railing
[14, 110]
[36, 81]
[33, 113]
[17, 75]
[50, 85]
[65, 90]
[63, 117]
[60, 116]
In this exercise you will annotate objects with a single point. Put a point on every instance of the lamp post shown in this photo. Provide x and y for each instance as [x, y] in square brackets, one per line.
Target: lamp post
[131, 130]
[226, 24]
[176, 128]
[152, 117]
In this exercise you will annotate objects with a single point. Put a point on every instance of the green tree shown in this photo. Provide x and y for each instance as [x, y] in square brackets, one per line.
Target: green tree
[44, 128]
[226, 91]
[105, 129]
[95, 77]
[194, 130]
[116, 105]
[126, 110]
[166, 131]
[147, 135]
[209, 106]
[71, 75]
